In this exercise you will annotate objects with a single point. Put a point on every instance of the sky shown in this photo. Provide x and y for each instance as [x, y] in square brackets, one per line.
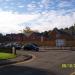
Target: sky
[40, 15]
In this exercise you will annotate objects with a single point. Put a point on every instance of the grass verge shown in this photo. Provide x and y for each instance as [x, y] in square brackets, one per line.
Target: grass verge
[6, 55]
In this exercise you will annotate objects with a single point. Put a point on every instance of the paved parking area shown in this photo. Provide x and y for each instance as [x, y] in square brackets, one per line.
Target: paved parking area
[46, 62]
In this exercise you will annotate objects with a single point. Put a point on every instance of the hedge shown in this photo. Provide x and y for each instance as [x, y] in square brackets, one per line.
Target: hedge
[6, 50]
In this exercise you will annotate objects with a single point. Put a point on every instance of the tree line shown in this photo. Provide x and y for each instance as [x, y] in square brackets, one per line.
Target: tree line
[70, 30]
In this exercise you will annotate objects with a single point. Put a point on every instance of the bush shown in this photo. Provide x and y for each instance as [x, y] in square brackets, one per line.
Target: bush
[6, 50]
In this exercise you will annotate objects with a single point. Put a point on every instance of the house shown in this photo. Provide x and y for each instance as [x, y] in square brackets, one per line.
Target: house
[55, 38]
[60, 38]
[22, 38]
[36, 38]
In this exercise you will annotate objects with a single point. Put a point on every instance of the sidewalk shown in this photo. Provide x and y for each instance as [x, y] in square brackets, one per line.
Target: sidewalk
[19, 58]
[56, 48]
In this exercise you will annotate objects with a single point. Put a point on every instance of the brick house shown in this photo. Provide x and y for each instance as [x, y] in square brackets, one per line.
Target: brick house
[34, 37]
[60, 38]
[55, 38]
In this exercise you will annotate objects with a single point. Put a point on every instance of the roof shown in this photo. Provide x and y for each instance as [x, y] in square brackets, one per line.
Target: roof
[62, 32]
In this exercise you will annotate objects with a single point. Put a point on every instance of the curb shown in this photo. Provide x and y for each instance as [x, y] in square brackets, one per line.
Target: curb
[73, 73]
[8, 62]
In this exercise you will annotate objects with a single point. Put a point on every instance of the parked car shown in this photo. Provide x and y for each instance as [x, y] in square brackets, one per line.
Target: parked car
[10, 45]
[2, 45]
[30, 46]
[17, 46]
[35, 44]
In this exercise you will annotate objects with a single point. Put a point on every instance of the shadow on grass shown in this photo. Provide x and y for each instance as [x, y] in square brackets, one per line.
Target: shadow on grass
[23, 70]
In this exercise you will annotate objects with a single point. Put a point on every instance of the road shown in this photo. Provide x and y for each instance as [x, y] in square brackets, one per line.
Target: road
[45, 62]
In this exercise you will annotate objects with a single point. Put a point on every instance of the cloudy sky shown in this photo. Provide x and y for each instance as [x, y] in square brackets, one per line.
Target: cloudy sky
[39, 15]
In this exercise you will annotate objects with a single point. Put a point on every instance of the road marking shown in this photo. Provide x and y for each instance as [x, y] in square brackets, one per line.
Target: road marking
[73, 73]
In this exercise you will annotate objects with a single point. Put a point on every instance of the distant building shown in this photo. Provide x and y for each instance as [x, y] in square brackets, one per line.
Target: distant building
[23, 38]
[60, 38]
[55, 38]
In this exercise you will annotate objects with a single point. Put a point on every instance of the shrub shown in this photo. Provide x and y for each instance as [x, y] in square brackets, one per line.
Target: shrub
[6, 50]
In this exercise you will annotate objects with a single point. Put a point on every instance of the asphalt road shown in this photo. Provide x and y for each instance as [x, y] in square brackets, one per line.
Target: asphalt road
[46, 62]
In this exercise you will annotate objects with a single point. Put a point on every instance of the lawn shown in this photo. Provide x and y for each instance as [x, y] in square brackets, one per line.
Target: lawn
[6, 55]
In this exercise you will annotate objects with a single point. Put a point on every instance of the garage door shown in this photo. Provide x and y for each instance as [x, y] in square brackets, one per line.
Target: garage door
[60, 42]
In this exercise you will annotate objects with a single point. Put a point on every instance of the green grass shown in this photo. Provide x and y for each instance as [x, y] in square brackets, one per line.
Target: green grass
[7, 56]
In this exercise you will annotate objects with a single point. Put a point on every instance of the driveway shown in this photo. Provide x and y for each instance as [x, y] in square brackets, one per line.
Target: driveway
[46, 62]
